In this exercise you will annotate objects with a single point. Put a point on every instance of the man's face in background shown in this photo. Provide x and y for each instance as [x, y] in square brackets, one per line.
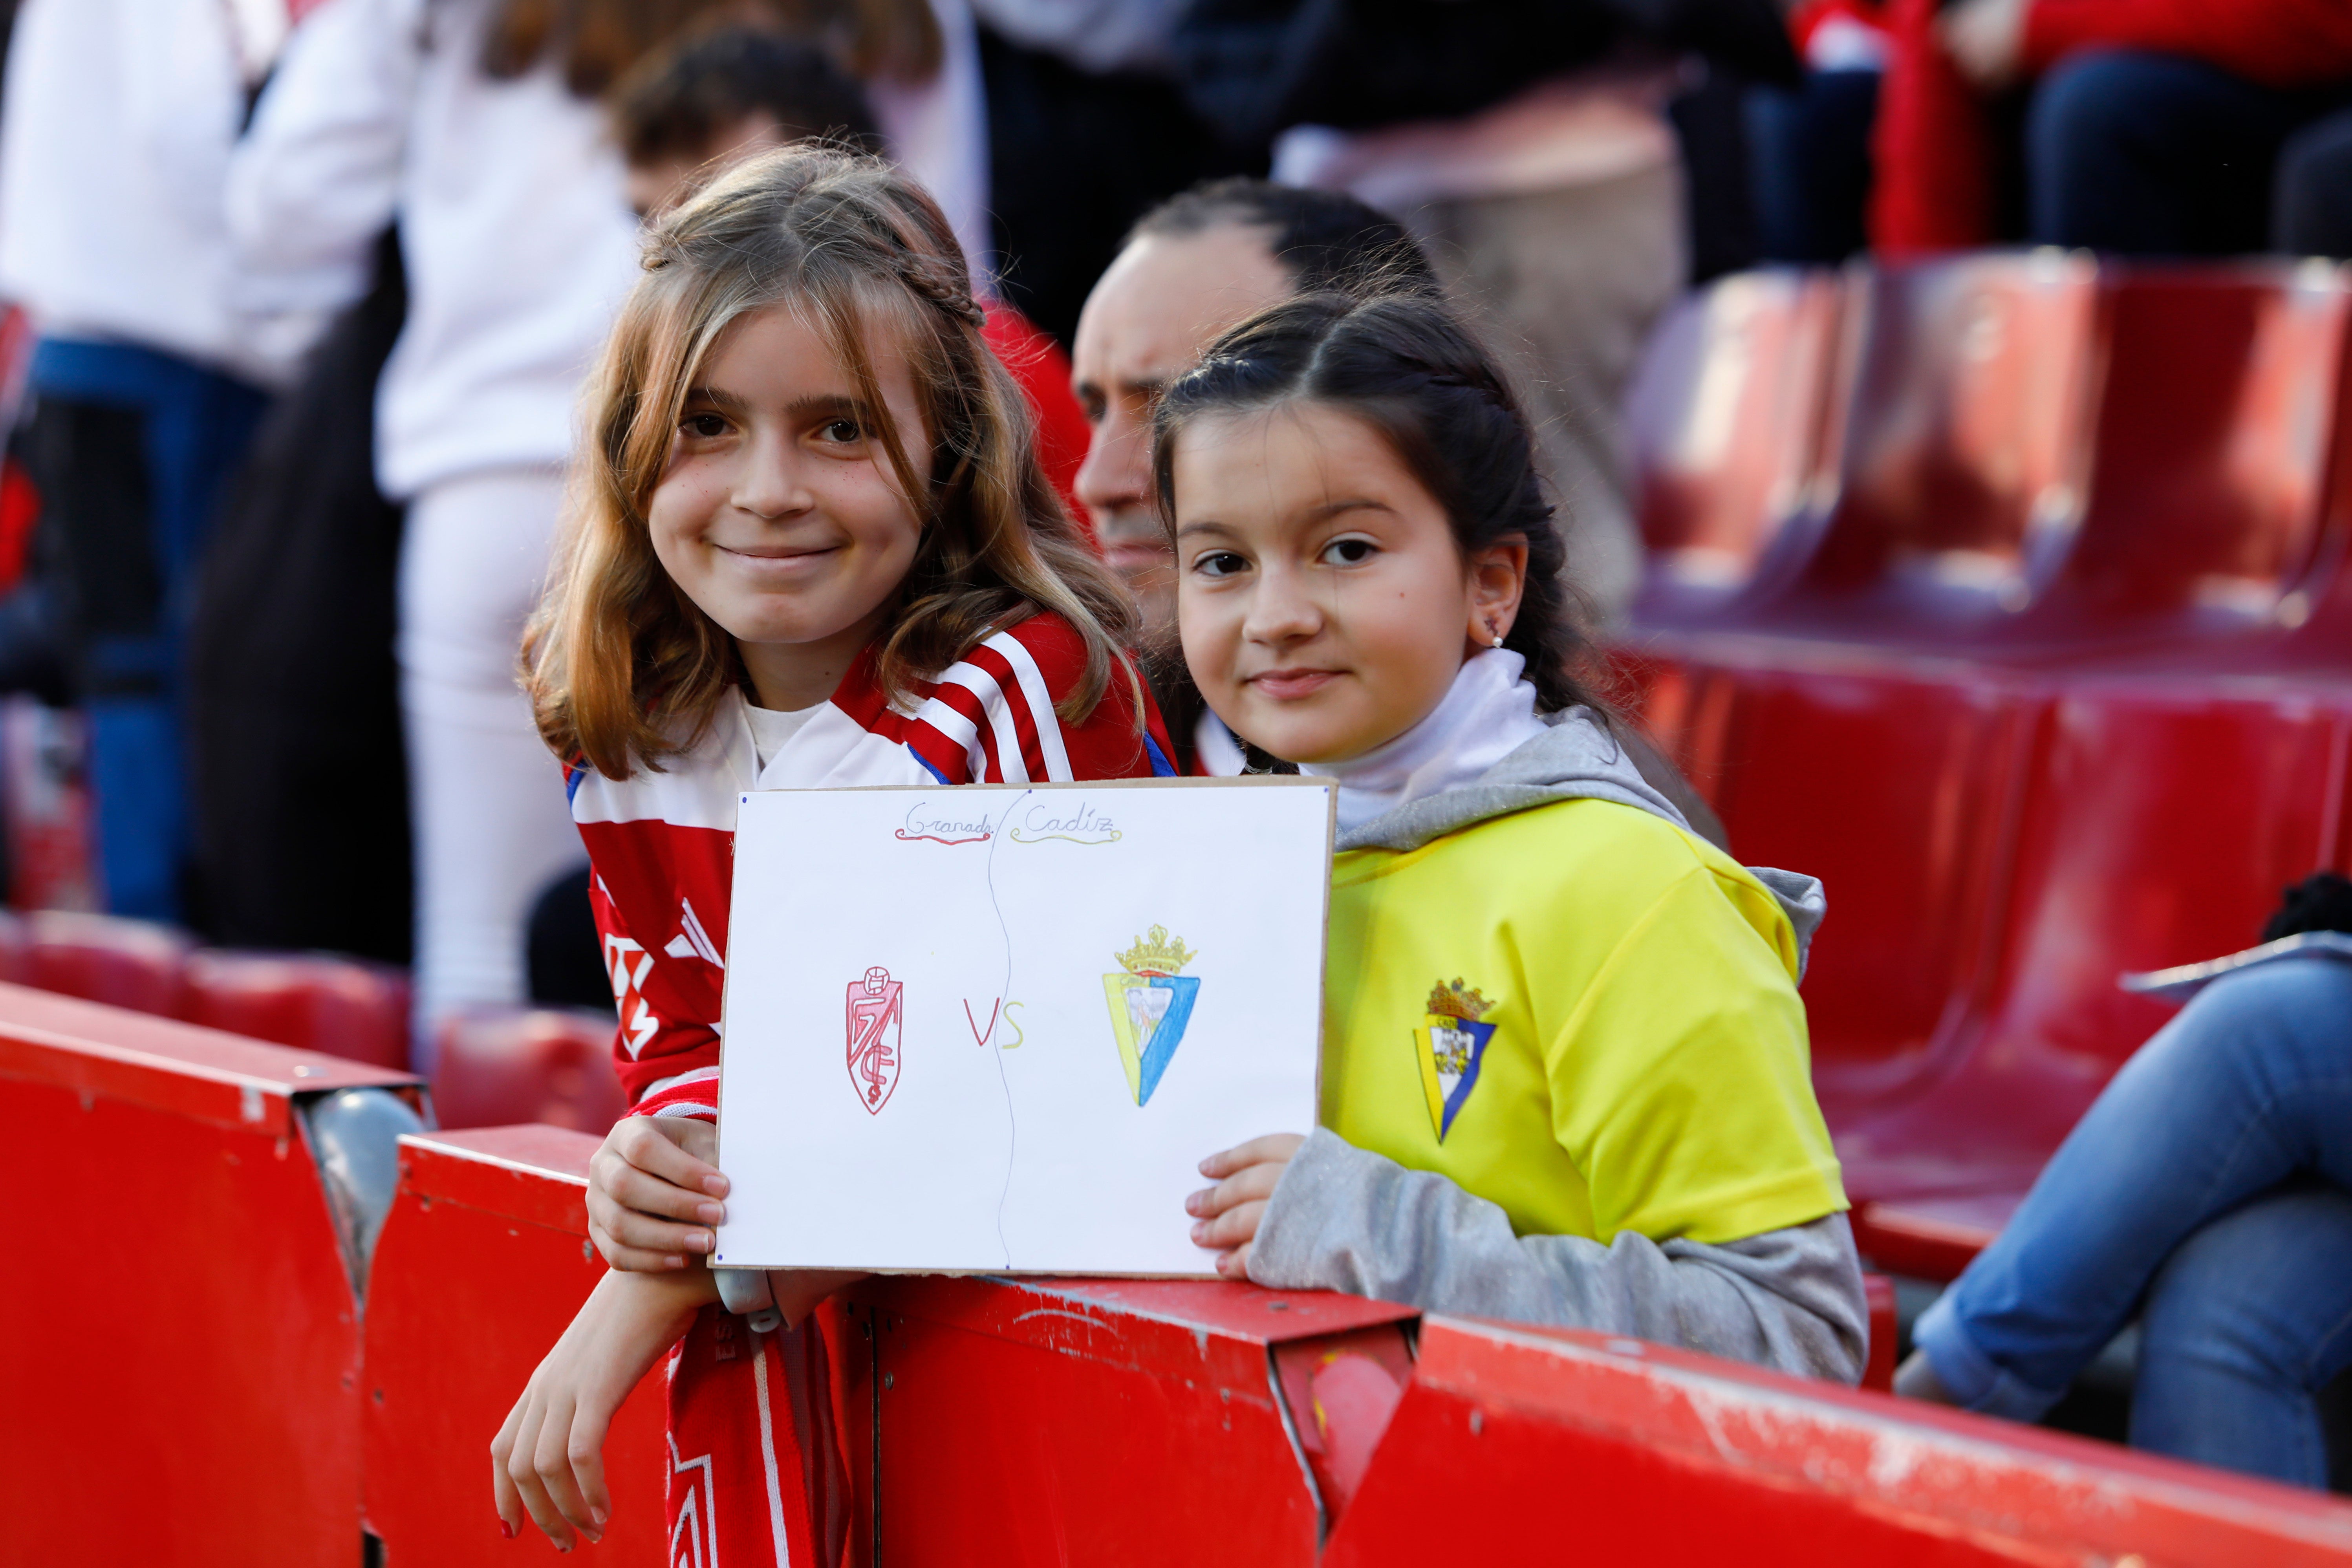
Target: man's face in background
[1164, 300]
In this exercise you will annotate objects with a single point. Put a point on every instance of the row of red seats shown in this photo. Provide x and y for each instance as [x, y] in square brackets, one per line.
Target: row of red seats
[491, 1067]
[2000, 454]
[258, 1414]
[2008, 593]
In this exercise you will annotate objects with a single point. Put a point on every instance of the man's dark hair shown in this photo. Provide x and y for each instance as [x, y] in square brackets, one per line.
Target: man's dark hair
[675, 104]
[1326, 240]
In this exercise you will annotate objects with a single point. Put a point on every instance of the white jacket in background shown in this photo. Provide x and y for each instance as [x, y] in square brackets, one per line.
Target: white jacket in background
[518, 240]
[119, 119]
[937, 132]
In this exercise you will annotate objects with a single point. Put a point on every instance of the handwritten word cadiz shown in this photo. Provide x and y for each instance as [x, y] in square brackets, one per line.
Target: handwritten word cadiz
[1079, 824]
[922, 824]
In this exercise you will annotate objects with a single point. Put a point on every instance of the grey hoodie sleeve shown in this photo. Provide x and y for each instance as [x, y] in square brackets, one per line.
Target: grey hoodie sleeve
[1343, 1219]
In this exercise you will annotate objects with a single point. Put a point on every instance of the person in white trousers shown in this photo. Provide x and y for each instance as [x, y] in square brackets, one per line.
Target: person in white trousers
[518, 244]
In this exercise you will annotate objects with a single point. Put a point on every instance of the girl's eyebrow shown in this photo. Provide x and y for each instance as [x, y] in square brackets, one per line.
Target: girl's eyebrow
[1333, 509]
[822, 403]
[726, 402]
[1323, 513]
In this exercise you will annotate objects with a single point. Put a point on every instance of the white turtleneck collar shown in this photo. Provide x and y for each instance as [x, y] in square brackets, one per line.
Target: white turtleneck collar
[1485, 715]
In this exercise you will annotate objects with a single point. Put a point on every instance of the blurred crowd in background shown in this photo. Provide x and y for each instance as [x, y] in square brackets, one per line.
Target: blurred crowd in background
[303, 291]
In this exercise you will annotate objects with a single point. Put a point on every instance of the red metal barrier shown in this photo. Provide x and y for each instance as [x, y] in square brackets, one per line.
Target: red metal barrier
[1105, 1421]
[482, 1263]
[1516, 1446]
[179, 1342]
[196, 1387]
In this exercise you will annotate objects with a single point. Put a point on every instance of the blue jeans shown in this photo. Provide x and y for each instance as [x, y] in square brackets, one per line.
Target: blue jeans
[1809, 164]
[131, 449]
[2212, 1180]
[2151, 154]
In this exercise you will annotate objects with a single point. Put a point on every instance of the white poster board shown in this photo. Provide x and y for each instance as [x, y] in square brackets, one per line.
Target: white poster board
[996, 1029]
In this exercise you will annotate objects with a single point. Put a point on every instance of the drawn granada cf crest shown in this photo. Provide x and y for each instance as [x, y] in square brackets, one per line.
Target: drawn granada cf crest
[1149, 1006]
[877, 1012]
[1453, 1044]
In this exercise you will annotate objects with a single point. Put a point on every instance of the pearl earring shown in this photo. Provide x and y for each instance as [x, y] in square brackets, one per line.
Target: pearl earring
[1495, 637]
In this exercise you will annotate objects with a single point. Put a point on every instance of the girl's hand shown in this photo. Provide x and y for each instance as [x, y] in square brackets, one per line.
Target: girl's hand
[653, 1192]
[1226, 1214]
[548, 1457]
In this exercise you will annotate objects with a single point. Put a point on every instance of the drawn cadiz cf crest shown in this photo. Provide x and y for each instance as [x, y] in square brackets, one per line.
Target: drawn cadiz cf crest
[1452, 1043]
[1149, 1006]
[877, 1016]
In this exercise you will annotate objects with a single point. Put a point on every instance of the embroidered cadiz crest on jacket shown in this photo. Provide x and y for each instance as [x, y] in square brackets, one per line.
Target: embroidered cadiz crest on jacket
[1451, 1043]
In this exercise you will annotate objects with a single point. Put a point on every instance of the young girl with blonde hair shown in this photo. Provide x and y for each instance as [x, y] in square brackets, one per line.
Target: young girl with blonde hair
[812, 547]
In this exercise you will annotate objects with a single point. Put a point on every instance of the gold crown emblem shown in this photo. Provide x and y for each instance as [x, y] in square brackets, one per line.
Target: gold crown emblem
[1454, 1001]
[1157, 953]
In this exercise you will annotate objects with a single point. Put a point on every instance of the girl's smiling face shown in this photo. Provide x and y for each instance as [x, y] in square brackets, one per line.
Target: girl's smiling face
[779, 513]
[1323, 603]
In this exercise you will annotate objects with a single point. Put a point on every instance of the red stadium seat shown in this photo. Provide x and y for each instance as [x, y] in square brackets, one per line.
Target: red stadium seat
[1998, 846]
[2001, 836]
[501, 1066]
[2314, 622]
[1724, 425]
[1890, 781]
[2210, 468]
[2027, 463]
[337, 1006]
[130, 963]
[2158, 821]
[1958, 445]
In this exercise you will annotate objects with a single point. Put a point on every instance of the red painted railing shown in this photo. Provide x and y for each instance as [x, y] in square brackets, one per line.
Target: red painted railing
[187, 1379]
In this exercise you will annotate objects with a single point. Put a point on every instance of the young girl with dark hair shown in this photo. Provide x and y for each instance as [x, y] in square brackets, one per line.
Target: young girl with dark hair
[810, 547]
[1565, 1072]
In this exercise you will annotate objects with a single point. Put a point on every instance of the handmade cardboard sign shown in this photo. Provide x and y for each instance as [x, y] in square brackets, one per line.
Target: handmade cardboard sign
[996, 1029]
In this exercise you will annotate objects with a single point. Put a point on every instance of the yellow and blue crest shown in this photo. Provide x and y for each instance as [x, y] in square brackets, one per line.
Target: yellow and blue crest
[1151, 1004]
[1453, 1044]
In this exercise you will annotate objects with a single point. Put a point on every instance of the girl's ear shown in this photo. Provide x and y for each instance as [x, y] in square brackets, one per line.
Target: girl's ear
[1497, 576]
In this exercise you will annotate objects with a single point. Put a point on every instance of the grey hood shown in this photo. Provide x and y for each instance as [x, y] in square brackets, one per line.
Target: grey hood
[1576, 758]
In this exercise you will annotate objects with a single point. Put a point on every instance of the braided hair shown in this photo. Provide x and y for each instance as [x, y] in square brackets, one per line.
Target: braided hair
[1404, 366]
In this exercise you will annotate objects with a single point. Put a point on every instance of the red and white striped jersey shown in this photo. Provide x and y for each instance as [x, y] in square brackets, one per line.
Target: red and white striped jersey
[662, 843]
